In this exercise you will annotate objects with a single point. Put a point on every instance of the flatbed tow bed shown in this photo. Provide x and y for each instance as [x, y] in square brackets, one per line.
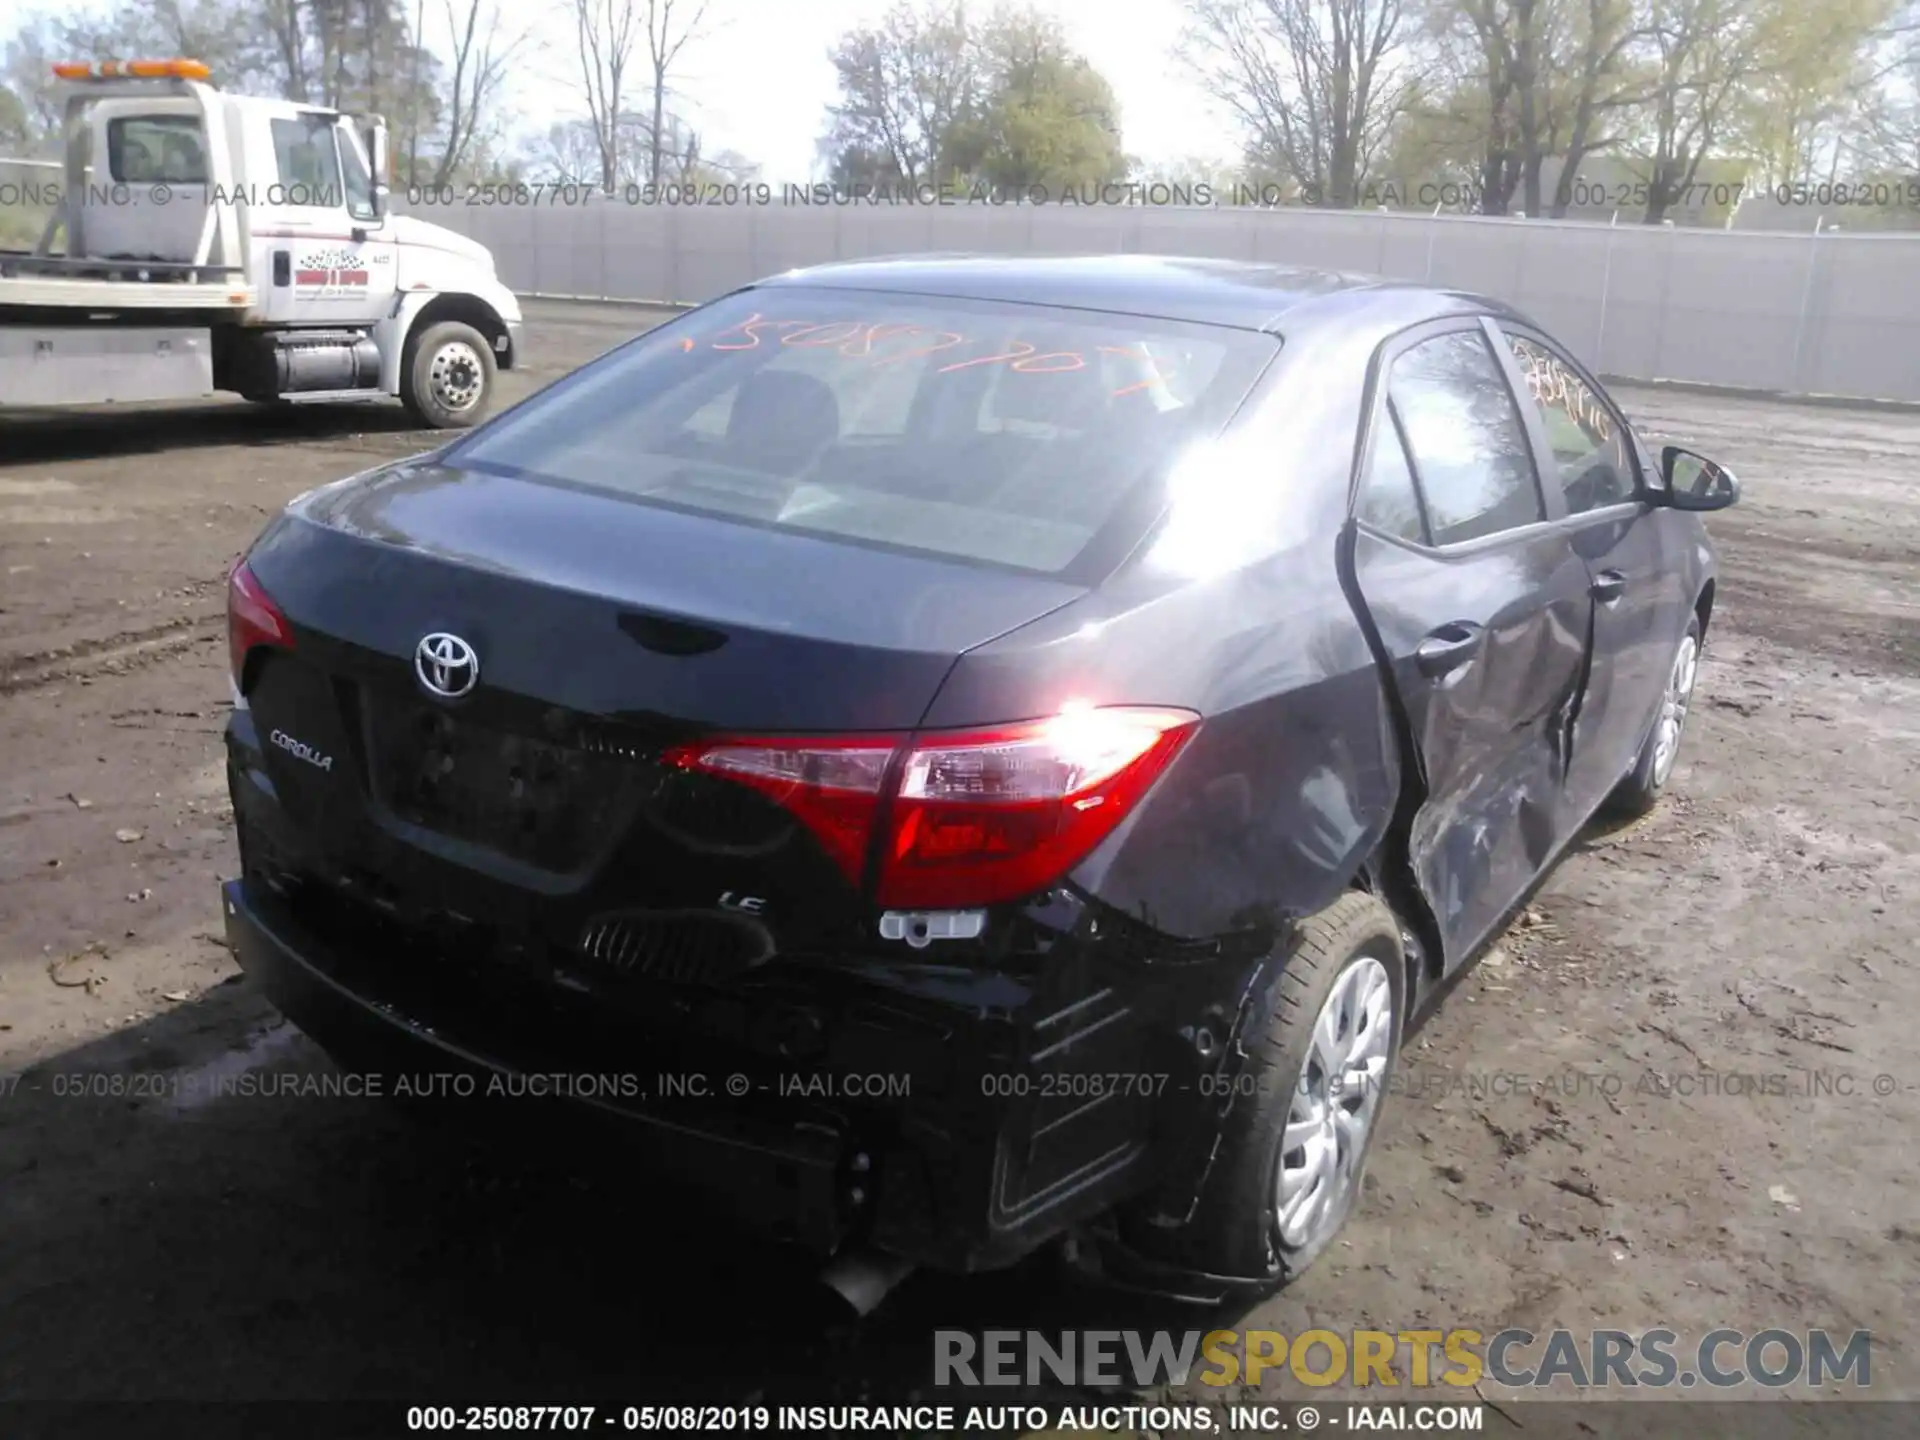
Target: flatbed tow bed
[41, 282]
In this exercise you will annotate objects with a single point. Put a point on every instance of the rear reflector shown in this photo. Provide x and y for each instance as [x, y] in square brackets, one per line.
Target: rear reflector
[971, 818]
[252, 619]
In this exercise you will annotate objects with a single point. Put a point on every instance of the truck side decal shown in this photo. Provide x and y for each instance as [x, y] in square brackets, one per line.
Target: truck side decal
[339, 272]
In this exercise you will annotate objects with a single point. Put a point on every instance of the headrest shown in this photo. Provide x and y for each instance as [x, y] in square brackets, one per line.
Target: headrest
[781, 419]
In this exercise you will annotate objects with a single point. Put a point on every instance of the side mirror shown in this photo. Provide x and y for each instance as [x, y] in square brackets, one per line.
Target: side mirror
[1695, 482]
[377, 158]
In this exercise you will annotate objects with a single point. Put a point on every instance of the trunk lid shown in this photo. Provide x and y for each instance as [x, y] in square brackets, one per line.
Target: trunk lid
[614, 609]
[537, 806]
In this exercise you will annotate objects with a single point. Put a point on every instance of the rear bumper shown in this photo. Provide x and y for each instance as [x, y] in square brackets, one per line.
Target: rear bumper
[782, 1180]
[1039, 1087]
[950, 1181]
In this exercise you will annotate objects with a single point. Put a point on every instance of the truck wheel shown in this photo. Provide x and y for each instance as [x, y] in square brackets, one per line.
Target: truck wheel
[447, 376]
[1295, 1145]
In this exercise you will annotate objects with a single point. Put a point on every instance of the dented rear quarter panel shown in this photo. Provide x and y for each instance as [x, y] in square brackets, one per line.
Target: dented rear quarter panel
[1233, 607]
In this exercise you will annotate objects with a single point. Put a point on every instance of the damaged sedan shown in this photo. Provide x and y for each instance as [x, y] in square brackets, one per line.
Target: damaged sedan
[965, 754]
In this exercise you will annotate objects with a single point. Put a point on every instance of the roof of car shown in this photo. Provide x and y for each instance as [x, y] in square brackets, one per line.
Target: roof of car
[1245, 294]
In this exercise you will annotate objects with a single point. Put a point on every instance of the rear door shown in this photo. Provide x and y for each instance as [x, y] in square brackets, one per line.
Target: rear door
[1481, 606]
[1586, 452]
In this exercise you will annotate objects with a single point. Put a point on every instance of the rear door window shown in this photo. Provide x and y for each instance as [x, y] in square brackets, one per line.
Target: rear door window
[1465, 438]
[1008, 434]
[1388, 500]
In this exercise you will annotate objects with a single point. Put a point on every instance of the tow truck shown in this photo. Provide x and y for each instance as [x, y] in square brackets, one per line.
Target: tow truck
[204, 242]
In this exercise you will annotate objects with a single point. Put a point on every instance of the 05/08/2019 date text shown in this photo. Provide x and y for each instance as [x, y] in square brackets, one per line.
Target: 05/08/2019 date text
[532, 1419]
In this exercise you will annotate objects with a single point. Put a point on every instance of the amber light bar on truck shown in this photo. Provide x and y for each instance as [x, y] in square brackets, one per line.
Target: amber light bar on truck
[133, 70]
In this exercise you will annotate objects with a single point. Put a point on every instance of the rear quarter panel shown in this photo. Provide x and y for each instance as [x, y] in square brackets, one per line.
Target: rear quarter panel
[1232, 607]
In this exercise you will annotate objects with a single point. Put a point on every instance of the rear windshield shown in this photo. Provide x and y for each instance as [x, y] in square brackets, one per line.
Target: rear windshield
[1009, 434]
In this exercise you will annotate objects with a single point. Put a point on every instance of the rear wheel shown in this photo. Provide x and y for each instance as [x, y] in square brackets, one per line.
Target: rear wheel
[447, 376]
[1295, 1146]
[1642, 788]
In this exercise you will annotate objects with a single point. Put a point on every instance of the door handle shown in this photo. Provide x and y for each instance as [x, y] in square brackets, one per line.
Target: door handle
[1609, 586]
[1448, 648]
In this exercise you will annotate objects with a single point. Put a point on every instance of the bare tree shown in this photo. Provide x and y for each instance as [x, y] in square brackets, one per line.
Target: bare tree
[1552, 76]
[480, 60]
[285, 25]
[911, 91]
[413, 119]
[1602, 93]
[609, 33]
[606, 31]
[330, 21]
[1704, 52]
[1894, 133]
[570, 153]
[1509, 37]
[667, 35]
[1316, 83]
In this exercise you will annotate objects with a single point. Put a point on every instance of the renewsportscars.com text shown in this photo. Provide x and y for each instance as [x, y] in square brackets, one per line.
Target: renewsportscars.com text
[1520, 1359]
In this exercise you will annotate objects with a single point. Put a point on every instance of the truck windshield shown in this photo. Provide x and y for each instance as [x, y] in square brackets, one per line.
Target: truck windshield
[1010, 434]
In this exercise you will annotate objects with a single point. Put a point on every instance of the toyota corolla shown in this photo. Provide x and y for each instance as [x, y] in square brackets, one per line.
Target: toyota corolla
[954, 754]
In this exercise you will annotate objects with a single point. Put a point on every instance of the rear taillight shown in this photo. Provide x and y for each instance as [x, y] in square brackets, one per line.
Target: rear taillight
[252, 619]
[971, 818]
[1002, 813]
[832, 786]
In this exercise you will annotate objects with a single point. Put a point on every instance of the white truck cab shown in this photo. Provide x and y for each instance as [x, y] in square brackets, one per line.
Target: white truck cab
[205, 241]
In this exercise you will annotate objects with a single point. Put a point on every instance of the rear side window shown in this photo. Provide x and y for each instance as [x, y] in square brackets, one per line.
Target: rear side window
[156, 150]
[1465, 437]
[1388, 501]
[1009, 434]
[1589, 443]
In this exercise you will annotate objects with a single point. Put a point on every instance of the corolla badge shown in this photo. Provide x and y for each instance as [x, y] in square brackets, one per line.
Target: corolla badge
[300, 750]
[446, 665]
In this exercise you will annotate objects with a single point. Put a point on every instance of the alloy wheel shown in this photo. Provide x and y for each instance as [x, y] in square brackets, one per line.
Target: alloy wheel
[1334, 1104]
[1673, 708]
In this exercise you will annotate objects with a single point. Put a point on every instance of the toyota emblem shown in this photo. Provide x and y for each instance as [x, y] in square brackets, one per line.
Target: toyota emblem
[446, 665]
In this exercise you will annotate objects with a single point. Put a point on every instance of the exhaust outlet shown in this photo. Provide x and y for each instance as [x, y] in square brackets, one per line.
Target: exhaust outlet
[864, 1277]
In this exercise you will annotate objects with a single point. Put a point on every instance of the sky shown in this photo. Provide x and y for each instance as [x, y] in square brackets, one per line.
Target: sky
[761, 85]
[760, 81]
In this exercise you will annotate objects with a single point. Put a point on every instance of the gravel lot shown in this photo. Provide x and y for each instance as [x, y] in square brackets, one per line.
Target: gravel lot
[1660, 1102]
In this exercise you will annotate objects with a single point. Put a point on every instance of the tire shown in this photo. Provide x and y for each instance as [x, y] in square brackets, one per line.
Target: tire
[447, 375]
[1653, 767]
[1239, 1227]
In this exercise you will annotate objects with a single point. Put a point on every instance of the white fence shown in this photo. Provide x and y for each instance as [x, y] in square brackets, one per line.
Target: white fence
[1800, 314]
[1807, 314]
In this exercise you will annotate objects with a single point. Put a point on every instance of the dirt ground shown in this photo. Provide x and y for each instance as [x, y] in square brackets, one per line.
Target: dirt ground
[1681, 1093]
